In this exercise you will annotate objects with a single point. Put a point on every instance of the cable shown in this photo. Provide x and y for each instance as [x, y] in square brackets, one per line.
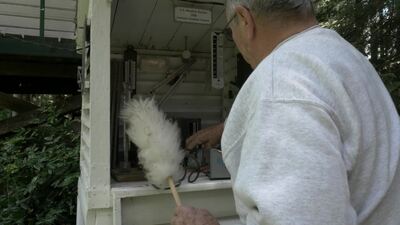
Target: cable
[147, 23]
[115, 13]
[194, 174]
[173, 36]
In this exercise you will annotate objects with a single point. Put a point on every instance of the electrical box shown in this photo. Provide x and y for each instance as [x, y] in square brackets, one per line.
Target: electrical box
[217, 166]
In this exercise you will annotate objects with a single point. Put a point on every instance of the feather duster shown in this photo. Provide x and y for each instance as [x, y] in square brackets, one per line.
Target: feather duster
[157, 138]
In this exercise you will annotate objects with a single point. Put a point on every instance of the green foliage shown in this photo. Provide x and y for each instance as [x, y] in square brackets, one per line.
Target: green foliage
[39, 173]
[43, 100]
[5, 114]
[372, 26]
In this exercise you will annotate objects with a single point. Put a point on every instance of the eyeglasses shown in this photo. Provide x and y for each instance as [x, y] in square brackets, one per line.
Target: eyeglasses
[227, 31]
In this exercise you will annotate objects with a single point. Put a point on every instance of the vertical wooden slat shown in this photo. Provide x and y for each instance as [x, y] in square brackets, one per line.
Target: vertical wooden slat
[100, 99]
[42, 15]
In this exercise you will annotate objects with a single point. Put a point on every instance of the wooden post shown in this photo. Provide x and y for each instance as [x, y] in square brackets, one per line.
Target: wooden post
[100, 103]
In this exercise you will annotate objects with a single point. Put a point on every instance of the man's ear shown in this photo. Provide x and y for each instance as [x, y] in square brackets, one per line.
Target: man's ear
[246, 20]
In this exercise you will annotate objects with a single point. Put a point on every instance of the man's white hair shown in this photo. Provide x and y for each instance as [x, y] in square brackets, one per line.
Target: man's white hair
[272, 7]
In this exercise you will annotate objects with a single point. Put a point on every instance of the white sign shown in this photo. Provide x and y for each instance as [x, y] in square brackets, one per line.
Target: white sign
[193, 15]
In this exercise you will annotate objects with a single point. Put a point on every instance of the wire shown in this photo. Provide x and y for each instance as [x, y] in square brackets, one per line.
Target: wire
[203, 2]
[148, 22]
[208, 31]
[115, 13]
[194, 174]
[173, 36]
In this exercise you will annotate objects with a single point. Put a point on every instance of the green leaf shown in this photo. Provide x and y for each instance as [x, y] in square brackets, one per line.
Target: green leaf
[394, 86]
[40, 170]
[11, 168]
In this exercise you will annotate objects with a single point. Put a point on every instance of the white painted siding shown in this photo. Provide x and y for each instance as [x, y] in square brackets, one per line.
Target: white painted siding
[22, 17]
[94, 196]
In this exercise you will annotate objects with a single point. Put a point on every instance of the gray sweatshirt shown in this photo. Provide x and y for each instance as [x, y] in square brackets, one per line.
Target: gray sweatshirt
[313, 138]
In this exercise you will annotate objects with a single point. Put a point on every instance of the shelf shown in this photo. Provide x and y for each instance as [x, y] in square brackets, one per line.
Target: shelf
[142, 188]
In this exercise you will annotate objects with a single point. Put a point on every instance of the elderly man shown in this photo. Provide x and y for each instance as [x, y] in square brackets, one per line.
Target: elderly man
[313, 137]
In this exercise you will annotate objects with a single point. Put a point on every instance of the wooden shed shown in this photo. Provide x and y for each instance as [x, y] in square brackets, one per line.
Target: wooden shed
[150, 40]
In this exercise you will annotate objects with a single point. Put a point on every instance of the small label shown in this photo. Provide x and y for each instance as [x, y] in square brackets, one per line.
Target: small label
[193, 15]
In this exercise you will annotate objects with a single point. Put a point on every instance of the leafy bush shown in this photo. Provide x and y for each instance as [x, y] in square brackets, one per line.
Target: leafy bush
[39, 173]
[5, 114]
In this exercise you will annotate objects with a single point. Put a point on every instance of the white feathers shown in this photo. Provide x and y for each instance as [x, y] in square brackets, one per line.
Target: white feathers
[157, 138]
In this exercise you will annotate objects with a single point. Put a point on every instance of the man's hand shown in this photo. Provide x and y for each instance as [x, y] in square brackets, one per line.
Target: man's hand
[185, 215]
[208, 137]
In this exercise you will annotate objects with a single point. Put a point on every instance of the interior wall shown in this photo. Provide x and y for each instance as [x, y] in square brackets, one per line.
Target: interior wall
[193, 98]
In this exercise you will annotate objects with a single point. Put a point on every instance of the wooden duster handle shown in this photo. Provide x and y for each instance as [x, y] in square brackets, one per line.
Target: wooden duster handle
[174, 192]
